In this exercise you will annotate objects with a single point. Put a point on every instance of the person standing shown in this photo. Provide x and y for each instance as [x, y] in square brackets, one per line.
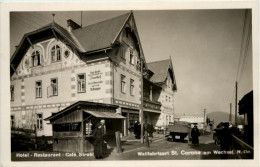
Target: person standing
[135, 128]
[98, 141]
[195, 135]
[138, 132]
[225, 140]
[150, 131]
[104, 133]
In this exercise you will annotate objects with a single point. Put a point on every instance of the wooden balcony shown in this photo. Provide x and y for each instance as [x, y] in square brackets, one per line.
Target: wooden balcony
[152, 105]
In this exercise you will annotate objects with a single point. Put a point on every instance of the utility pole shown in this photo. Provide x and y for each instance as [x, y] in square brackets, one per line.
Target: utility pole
[230, 114]
[141, 106]
[204, 121]
[236, 106]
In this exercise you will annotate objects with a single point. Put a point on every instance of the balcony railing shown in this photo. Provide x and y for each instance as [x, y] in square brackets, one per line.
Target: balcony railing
[153, 105]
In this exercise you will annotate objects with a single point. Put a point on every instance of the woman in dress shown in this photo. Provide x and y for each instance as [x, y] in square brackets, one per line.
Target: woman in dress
[98, 141]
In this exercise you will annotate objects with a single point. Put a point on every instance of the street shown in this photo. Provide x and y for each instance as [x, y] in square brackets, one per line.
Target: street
[166, 150]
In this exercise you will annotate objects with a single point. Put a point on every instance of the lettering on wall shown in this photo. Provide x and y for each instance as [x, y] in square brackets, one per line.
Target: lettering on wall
[95, 80]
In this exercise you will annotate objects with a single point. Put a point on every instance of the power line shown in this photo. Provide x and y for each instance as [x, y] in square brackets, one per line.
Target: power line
[246, 48]
[241, 46]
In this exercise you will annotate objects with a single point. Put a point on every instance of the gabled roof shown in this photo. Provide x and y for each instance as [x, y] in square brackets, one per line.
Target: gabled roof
[101, 35]
[85, 40]
[160, 70]
[46, 32]
[81, 103]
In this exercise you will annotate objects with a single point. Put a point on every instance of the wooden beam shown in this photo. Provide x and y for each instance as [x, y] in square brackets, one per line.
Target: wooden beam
[55, 34]
[12, 65]
[28, 39]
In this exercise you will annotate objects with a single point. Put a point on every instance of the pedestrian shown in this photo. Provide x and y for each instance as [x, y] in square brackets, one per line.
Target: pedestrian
[225, 140]
[98, 141]
[195, 135]
[138, 132]
[150, 130]
[104, 133]
[135, 128]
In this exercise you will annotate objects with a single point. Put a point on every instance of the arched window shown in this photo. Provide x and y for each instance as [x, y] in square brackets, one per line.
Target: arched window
[55, 54]
[36, 58]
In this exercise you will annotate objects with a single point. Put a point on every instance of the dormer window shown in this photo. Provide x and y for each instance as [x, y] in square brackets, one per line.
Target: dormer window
[36, 58]
[55, 54]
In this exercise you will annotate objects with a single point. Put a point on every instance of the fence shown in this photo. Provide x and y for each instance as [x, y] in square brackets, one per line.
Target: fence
[242, 150]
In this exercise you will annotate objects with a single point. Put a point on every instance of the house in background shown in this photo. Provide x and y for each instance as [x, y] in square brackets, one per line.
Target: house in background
[194, 120]
[53, 68]
[163, 89]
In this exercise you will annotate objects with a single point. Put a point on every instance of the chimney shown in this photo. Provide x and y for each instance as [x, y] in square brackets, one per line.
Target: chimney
[72, 25]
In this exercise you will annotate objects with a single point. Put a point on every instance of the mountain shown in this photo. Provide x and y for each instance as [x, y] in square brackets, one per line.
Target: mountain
[220, 116]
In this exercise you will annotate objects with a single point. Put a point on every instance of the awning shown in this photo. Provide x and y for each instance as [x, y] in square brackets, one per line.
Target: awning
[100, 114]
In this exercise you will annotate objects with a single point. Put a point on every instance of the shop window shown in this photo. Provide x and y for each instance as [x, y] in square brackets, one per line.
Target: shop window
[53, 88]
[132, 60]
[88, 128]
[74, 127]
[132, 87]
[12, 92]
[39, 120]
[38, 88]
[55, 54]
[81, 83]
[123, 83]
[36, 58]
[65, 127]
[12, 121]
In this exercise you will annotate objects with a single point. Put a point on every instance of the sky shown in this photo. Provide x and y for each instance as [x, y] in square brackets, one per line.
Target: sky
[204, 46]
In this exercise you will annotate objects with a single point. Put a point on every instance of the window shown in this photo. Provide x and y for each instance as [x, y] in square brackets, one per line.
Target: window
[132, 87]
[12, 92]
[38, 88]
[39, 121]
[81, 83]
[123, 84]
[67, 127]
[55, 54]
[12, 121]
[169, 99]
[166, 98]
[132, 60]
[53, 88]
[36, 58]
[123, 52]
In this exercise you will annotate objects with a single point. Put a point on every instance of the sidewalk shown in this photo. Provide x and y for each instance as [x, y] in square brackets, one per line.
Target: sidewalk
[130, 143]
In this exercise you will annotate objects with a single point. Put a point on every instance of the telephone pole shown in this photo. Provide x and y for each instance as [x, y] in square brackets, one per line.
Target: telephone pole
[236, 106]
[204, 121]
[230, 114]
[141, 106]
